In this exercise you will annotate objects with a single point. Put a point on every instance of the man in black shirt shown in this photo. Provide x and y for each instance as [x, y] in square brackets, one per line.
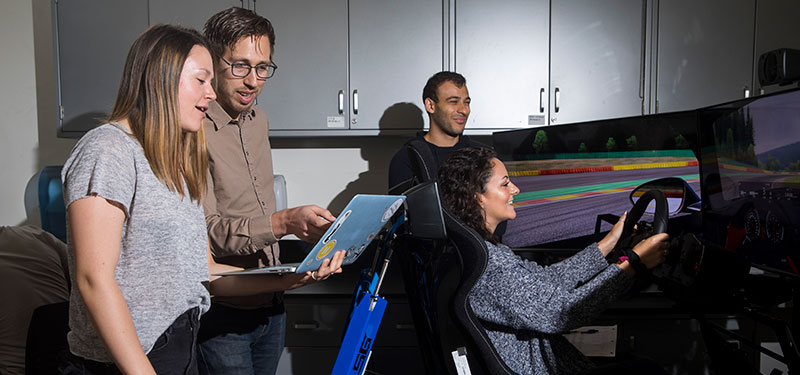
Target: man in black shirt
[446, 100]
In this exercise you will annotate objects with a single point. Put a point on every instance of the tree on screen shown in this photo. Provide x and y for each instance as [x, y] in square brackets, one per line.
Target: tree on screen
[681, 143]
[540, 142]
[611, 144]
[633, 144]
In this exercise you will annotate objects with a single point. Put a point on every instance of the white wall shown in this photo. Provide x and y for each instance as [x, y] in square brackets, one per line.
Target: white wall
[17, 108]
[328, 172]
[20, 146]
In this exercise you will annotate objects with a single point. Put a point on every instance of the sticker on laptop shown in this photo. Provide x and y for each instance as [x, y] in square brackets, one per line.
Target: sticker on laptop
[391, 210]
[353, 253]
[325, 250]
[337, 226]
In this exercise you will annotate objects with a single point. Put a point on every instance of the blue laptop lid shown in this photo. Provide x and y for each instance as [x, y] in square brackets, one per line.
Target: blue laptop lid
[354, 229]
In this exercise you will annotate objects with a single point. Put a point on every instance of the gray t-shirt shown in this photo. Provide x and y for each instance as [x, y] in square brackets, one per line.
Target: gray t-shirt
[163, 255]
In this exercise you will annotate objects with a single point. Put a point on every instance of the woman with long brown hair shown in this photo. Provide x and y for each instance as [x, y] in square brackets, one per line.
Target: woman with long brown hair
[138, 245]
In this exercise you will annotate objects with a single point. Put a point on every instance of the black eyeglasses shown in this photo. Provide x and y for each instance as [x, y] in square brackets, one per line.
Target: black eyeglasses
[241, 70]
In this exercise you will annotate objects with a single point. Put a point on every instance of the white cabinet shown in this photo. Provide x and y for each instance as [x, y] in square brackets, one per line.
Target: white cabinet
[395, 46]
[353, 65]
[597, 60]
[344, 66]
[502, 49]
[357, 67]
[533, 63]
[705, 53]
[189, 13]
[92, 40]
[310, 84]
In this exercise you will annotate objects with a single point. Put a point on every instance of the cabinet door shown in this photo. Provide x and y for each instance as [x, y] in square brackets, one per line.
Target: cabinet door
[311, 54]
[395, 46]
[189, 13]
[92, 41]
[776, 27]
[597, 60]
[501, 48]
[705, 52]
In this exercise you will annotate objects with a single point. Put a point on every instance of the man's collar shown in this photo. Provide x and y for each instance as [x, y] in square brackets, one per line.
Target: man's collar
[428, 134]
[220, 118]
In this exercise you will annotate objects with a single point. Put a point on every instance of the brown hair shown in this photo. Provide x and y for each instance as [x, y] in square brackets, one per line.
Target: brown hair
[148, 99]
[462, 176]
[227, 27]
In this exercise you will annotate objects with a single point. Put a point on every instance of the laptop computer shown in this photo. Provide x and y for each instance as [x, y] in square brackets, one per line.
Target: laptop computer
[353, 230]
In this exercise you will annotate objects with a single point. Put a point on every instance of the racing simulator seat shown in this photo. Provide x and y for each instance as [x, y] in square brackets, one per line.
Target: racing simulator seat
[438, 274]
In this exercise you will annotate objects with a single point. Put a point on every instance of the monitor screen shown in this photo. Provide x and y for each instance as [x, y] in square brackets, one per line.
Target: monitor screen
[569, 175]
[751, 178]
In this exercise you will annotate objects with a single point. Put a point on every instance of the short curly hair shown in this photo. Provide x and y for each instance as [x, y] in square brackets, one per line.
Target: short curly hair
[429, 91]
[462, 176]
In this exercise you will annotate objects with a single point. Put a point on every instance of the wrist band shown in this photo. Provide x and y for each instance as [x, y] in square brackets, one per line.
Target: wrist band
[636, 263]
[623, 259]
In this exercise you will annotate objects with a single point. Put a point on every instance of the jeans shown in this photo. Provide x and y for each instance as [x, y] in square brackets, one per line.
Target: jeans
[234, 341]
[173, 352]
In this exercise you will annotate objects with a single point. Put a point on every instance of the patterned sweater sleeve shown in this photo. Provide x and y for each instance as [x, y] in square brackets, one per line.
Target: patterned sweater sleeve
[573, 271]
[522, 295]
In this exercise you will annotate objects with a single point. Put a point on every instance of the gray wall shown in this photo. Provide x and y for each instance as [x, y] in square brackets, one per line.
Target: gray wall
[27, 101]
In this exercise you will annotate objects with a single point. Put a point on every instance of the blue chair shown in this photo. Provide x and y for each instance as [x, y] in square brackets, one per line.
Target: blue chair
[51, 202]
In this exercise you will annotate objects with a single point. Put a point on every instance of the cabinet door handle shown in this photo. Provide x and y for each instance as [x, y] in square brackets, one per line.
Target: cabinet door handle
[557, 99]
[643, 48]
[355, 102]
[306, 326]
[541, 100]
[341, 102]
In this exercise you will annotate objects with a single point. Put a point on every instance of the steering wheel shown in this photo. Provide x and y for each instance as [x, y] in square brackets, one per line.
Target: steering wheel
[660, 218]
[628, 239]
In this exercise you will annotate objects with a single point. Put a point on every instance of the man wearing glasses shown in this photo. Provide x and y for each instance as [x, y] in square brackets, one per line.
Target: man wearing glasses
[246, 335]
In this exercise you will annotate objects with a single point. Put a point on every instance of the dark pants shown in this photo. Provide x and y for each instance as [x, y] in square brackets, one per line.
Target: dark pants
[173, 352]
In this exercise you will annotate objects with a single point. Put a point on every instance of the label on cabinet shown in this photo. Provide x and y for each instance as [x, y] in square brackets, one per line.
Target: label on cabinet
[535, 119]
[336, 122]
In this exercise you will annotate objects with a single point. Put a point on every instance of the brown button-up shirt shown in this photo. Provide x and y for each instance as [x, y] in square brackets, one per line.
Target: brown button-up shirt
[240, 199]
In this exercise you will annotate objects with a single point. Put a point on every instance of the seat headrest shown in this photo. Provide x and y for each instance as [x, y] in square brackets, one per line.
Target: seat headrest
[424, 165]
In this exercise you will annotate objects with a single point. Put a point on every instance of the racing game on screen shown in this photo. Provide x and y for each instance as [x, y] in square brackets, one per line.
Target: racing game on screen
[751, 170]
[569, 175]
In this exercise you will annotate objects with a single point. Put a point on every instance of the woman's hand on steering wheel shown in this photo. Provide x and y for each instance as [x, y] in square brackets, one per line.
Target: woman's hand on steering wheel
[609, 242]
[652, 251]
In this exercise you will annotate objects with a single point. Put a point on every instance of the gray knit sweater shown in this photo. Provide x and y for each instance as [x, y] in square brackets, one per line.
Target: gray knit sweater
[525, 307]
